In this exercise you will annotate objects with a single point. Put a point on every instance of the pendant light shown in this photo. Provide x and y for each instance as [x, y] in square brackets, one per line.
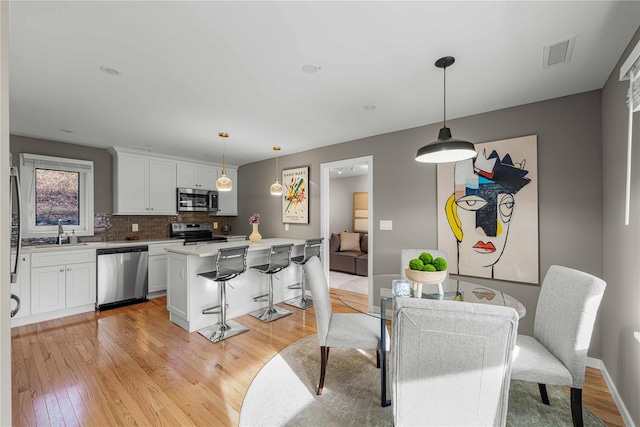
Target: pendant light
[445, 149]
[223, 183]
[276, 187]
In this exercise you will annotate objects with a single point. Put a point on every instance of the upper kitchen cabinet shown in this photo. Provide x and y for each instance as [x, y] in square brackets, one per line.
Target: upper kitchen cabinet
[143, 185]
[228, 200]
[202, 177]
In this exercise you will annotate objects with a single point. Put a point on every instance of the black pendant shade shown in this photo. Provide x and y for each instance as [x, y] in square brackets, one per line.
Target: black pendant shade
[445, 149]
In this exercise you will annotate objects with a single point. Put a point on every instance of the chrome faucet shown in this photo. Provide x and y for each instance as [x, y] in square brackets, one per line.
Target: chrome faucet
[60, 232]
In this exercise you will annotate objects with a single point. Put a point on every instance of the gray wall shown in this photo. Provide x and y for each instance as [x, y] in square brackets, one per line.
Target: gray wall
[620, 311]
[102, 164]
[341, 201]
[570, 188]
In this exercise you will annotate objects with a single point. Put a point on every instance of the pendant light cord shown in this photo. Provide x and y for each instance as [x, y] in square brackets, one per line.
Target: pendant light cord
[444, 120]
[223, 168]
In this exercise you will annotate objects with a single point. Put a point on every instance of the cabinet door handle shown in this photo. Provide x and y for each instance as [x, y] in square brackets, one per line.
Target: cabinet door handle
[68, 269]
[62, 270]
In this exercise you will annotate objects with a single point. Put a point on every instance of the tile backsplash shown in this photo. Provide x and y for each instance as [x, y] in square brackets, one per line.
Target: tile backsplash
[108, 227]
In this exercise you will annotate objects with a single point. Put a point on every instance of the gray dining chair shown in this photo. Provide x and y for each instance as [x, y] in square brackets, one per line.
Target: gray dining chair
[451, 362]
[556, 354]
[340, 330]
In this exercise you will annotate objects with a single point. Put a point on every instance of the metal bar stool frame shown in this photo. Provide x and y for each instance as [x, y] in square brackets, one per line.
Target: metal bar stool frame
[230, 263]
[279, 259]
[312, 247]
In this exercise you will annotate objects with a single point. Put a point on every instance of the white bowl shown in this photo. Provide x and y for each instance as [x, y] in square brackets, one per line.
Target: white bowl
[426, 277]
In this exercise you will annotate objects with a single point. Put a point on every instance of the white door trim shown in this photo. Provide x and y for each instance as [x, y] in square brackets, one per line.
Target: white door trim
[325, 232]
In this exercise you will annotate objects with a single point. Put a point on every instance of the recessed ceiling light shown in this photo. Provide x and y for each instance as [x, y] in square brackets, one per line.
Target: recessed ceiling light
[369, 107]
[311, 68]
[66, 131]
[110, 70]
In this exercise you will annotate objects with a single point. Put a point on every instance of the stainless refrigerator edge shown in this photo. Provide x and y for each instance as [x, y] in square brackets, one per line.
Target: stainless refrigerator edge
[16, 233]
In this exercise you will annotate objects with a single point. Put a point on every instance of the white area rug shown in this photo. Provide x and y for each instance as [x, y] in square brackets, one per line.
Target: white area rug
[283, 393]
[357, 284]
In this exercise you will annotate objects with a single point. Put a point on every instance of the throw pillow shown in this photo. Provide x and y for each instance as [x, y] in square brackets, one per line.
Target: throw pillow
[364, 245]
[334, 243]
[349, 241]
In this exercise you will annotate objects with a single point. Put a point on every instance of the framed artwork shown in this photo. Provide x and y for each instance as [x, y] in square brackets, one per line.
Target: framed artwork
[488, 211]
[295, 197]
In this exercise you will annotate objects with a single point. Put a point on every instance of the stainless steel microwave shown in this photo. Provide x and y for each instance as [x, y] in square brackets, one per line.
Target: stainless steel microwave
[195, 200]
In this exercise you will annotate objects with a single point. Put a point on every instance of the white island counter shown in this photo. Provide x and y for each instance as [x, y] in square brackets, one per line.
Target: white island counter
[188, 294]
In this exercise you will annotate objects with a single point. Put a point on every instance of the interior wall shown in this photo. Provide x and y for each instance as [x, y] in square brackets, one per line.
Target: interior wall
[102, 164]
[341, 201]
[620, 311]
[570, 188]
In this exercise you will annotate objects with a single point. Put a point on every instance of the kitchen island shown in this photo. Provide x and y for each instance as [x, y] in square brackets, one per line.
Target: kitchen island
[188, 294]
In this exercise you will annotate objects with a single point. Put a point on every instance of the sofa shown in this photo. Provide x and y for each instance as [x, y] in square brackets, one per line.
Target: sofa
[349, 253]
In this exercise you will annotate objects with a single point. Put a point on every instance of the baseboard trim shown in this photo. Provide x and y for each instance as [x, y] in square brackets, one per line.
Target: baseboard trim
[598, 364]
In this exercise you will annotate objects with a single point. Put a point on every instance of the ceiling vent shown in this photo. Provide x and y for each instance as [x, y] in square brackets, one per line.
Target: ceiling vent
[558, 53]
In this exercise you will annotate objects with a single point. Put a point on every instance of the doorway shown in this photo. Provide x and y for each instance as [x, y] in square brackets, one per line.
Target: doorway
[331, 174]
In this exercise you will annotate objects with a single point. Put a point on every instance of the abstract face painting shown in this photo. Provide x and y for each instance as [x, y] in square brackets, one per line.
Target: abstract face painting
[480, 211]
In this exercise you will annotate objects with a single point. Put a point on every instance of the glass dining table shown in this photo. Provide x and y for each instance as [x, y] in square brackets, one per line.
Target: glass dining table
[454, 290]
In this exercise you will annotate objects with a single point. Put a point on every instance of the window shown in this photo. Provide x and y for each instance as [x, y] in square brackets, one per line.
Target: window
[55, 189]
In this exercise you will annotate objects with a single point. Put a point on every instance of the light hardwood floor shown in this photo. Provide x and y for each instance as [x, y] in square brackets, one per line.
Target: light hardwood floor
[132, 366]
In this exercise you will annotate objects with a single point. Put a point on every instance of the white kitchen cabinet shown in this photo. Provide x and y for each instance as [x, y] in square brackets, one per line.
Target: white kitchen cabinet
[157, 273]
[228, 200]
[48, 289]
[62, 280]
[191, 175]
[177, 294]
[22, 287]
[80, 284]
[143, 185]
[158, 278]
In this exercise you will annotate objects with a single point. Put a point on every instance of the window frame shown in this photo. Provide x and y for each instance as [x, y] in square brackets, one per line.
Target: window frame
[28, 165]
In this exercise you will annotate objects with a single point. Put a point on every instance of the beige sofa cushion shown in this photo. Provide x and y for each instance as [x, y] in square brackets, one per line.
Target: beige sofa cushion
[349, 241]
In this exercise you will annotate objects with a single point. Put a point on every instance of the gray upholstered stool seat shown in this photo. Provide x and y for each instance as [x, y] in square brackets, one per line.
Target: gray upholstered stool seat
[230, 263]
[279, 259]
[312, 247]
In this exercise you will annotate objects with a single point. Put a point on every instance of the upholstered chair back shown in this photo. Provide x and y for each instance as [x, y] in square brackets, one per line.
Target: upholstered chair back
[451, 362]
[565, 316]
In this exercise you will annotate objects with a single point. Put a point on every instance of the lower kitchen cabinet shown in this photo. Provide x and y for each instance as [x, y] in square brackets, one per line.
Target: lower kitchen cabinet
[48, 289]
[157, 273]
[62, 286]
[62, 282]
[22, 287]
[177, 296]
[80, 284]
[158, 263]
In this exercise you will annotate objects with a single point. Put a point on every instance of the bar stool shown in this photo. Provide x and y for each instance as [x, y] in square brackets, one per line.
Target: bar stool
[312, 247]
[230, 262]
[279, 259]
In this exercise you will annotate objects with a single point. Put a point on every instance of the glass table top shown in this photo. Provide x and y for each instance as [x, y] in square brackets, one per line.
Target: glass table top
[454, 289]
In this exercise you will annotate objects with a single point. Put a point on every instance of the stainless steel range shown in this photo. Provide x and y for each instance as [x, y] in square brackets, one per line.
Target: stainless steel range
[195, 233]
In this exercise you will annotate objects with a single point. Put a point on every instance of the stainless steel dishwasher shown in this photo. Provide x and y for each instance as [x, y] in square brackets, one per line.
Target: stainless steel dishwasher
[122, 276]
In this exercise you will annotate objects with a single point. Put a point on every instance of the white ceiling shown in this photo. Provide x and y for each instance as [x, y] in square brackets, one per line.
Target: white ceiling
[193, 69]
